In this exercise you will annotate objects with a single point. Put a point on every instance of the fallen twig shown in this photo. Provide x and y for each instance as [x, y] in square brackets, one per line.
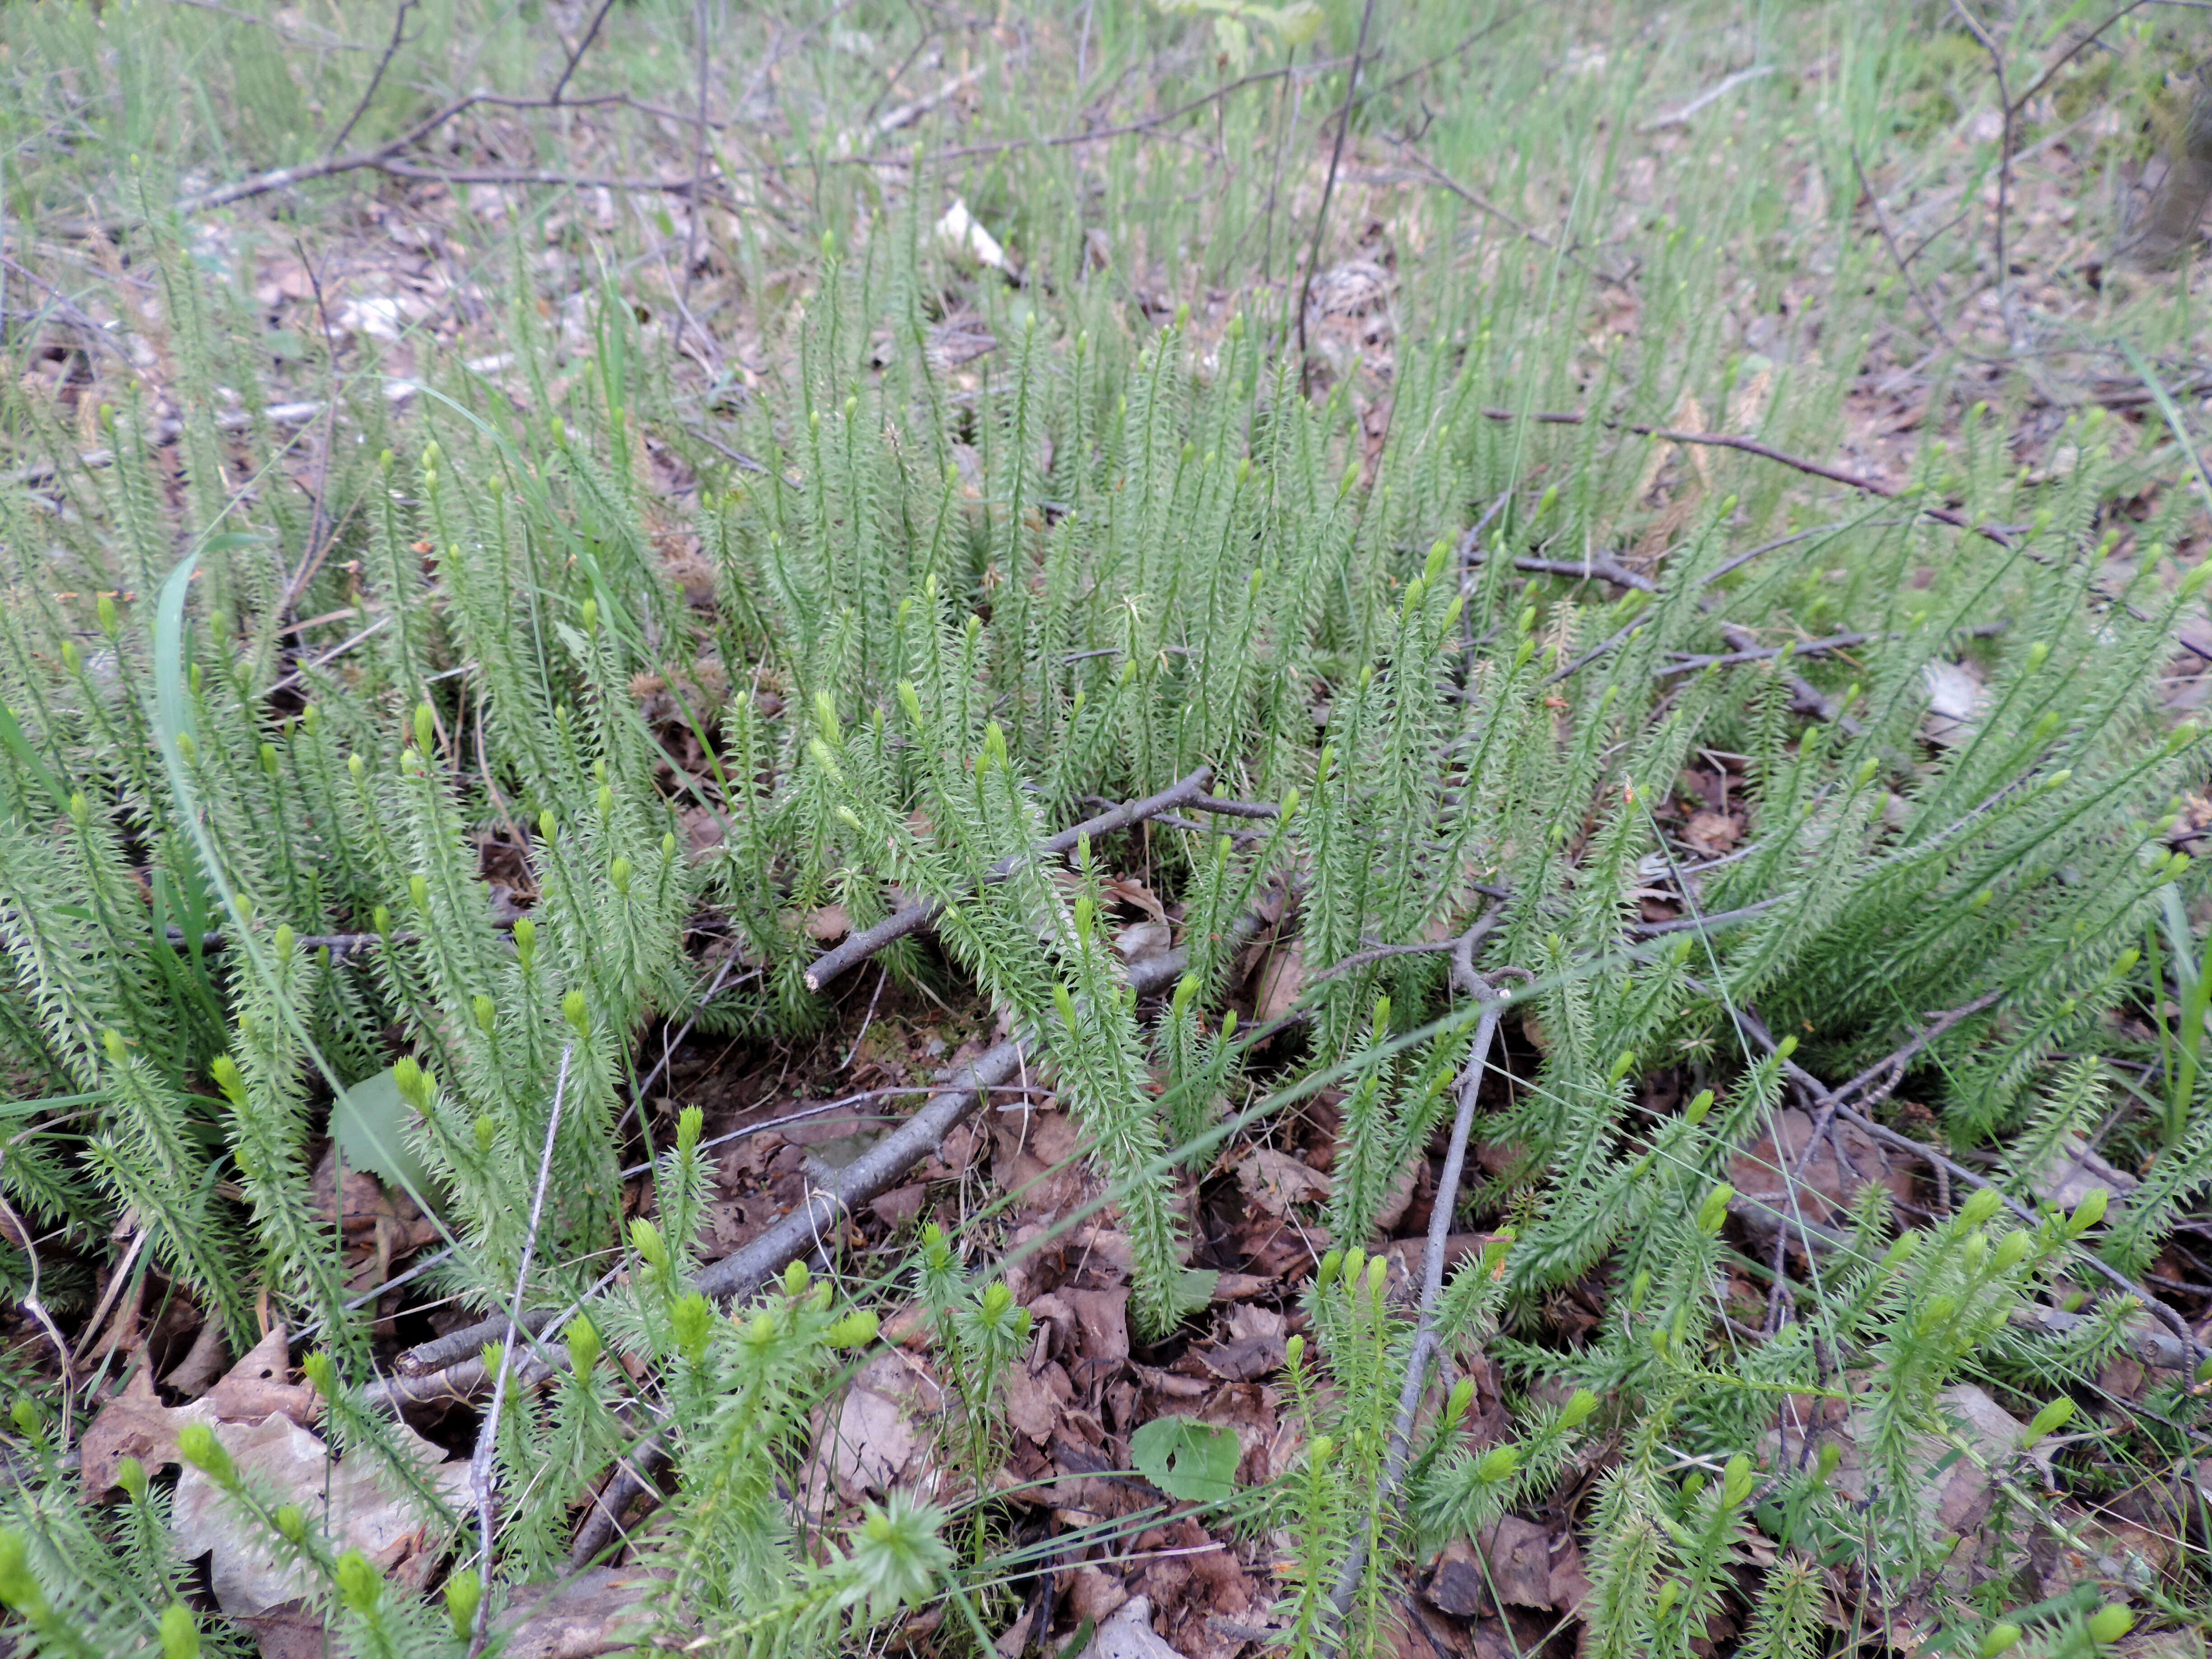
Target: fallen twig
[1881, 224]
[338, 945]
[576, 55]
[376, 74]
[483, 1471]
[913, 918]
[1805, 697]
[873, 1172]
[1425, 948]
[1466, 979]
[1329, 186]
[1957, 1171]
[1481, 203]
[1876, 1084]
[1762, 653]
[1711, 95]
[1765, 452]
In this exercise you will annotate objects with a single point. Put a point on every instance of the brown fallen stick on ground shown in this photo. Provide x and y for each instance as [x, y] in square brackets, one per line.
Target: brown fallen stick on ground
[1470, 982]
[1832, 1105]
[1184, 792]
[2003, 536]
[439, 1366]
[875, 1170]
[453, 1367]
[796, 1234]
[1765, 452]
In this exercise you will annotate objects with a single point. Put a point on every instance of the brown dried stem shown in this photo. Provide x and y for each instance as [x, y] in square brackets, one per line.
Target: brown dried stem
[913, 918]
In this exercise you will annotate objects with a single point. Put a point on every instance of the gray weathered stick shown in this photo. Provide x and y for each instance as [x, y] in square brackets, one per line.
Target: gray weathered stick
[865, 944]
[1465, 978]
[874, 1172]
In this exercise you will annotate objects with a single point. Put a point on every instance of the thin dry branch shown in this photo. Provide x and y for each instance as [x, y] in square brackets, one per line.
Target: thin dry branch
[1329, 186]
[375, 76]
[1820, 648]
[577, 54]
[1956, 1171]
[1465, 978]
[875, 1171]
[2001, 537]
[913, 918]
[483, 1474]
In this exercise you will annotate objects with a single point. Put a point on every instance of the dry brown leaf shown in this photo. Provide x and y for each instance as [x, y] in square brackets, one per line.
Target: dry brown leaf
[2116, 1555]
[1101, 1331]
[1274, 1180]
[1092, 1595]
[1456, 1582]
[1956, 696]
[1031, 1406]
[1399, 1198]
[1954, 1493]
[875, 1443]
[601, 1610]
[259, 1385]
[1519, 1556]
[1823, 1191]
[1280, 981]
[828, 924]
[203, 1363]
[1128, 1634]
[898, 1208]
[136, 1423]
[1031, 1146]
[1711, 833]
[367, 1510]
[1128, 889]
[1142, 941]
[292, 1630]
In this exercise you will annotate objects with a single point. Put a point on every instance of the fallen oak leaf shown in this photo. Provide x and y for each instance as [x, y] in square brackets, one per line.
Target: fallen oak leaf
[366, 1507]
[136, 1423]
[1274, 1180]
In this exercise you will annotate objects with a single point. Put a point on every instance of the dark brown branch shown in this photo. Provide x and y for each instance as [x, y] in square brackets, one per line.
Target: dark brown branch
[1806, 697]
[2010, 111]
[261, 184]
[1328, 184]
[1237, 809]
[1458, 944]
[1149, 123]
[865, 944]
[551, 177]
[338, 945]
[1889, 1136]
[375, 76]
[1881, 224]
[1765, 451]
[1699, 924]
[879, 1168]
[583, 46]
[1482, 204]
[1765, 652]
[2072, 52]
[1242, 837]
